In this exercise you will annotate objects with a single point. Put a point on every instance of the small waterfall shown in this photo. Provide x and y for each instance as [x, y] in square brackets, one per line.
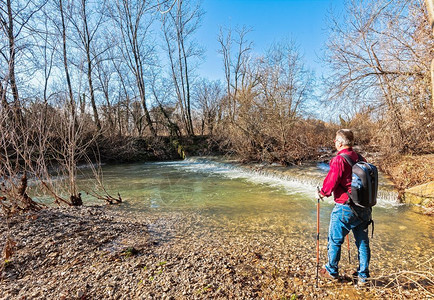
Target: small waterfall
[303, 180]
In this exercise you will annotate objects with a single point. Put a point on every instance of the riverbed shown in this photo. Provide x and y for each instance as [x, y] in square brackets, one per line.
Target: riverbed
[255, 198]
[207, 228]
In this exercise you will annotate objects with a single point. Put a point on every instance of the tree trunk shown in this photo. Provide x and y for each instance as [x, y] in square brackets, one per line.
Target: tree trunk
[143, 99]
[187, 85]
[105, 89]
[141, 85]
[91, 91]
[65, 62]
[3, 101]
[12, 52]
[87, 41]
[109, 110]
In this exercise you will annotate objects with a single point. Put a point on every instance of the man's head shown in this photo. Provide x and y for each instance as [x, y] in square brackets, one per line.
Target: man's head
[344, 139]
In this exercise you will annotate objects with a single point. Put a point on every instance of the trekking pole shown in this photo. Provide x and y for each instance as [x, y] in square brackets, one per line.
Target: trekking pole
[317, 239]
[348, 246]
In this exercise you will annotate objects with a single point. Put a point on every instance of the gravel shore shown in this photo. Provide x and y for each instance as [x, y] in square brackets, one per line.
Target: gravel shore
[100, 253]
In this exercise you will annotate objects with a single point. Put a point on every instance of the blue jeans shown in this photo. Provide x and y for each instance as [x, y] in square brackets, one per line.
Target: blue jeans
[342, 220]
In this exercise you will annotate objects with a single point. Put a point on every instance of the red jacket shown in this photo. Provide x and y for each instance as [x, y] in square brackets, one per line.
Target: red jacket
[338, 179]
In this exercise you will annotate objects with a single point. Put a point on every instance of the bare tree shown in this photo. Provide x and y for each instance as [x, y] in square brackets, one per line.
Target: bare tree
[47, 50]
[14, 20]
[72, 103]
[378, 57]
[162, 91]
[134, 20]
[7, 22]
[284, 88]
[74, 136]
[267, 96]
[179, 25]
[210, 97]
[14, 167]
[123, 107]
[88, 21]
[106, 72]
[236, 53]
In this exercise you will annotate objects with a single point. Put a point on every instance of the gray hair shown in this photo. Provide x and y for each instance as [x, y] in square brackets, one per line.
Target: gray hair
[345, 137]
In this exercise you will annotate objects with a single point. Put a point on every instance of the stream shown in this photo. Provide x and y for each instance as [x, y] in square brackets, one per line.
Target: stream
[260, 198]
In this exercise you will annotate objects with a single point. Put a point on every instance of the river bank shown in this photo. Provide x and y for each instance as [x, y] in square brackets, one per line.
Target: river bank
[405, 171]
[101, 253]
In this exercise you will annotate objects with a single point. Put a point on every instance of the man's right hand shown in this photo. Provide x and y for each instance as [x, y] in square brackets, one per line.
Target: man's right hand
[319, 196]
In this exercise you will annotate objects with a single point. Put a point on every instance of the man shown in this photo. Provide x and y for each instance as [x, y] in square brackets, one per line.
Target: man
[343, 219]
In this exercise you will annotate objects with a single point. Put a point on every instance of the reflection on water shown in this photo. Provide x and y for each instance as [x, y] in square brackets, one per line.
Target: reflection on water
[250, 200]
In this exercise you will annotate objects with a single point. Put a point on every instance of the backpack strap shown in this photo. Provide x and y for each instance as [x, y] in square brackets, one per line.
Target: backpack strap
[351, 163]
[351, 205]
[349, 160]
[350, 200]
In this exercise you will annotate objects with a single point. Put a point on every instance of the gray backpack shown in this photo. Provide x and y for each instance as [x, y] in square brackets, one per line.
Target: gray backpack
[364, 182]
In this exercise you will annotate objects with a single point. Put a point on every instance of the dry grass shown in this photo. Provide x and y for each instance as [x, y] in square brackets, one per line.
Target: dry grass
[409, 170]
[401, 284]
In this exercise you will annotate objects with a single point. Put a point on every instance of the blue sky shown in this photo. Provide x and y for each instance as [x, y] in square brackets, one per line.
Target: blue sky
[303, 21]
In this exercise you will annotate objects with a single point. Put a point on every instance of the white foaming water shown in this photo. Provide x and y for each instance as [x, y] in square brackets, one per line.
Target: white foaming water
[291, 185]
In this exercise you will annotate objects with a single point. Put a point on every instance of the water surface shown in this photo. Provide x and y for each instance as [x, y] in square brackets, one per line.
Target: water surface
[240, 199]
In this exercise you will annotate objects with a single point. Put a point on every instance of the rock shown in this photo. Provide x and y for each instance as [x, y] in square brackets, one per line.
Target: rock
[421, 194]
[80, 294]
